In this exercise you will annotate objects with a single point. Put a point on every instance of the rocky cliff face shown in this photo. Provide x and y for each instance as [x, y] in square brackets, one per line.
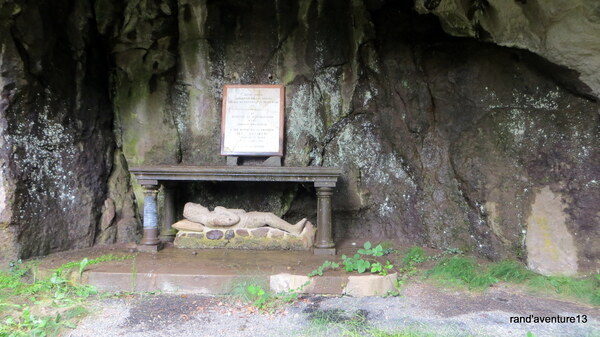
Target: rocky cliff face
[56, 126]
[563, 32]
[444, 141]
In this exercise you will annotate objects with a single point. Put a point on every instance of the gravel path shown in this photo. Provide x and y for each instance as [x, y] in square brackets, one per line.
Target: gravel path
[422, 308]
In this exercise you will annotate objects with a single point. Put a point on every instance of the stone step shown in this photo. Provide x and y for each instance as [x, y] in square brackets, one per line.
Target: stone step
[220, 271]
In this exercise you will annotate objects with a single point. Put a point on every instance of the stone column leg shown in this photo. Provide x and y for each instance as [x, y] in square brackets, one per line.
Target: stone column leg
[150, 241]
[324, 241]
[167, 233]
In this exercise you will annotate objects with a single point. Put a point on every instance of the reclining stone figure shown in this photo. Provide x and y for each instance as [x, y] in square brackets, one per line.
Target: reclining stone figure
[200, 217]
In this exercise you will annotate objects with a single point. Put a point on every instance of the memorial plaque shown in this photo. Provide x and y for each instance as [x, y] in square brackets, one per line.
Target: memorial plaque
[252, 120]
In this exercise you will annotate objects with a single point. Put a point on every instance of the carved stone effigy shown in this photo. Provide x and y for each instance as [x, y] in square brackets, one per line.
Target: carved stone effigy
[238, 229]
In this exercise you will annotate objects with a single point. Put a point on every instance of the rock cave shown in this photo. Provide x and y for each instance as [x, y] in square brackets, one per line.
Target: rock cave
[470, 124]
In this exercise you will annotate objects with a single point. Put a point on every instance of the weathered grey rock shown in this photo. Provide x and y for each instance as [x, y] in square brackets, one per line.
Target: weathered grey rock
[128, 230]
[108, 214]
[8, 231]
[107, 236]
[229, 234]
[57, 127]
[121, 193]
[241, 232]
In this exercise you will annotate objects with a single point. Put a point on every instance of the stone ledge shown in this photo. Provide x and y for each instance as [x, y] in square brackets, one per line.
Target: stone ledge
[370, 285]
[355, 285]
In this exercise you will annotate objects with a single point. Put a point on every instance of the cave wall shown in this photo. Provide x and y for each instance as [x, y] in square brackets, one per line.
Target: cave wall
[444, 141]
[563, 32]
[57, 144]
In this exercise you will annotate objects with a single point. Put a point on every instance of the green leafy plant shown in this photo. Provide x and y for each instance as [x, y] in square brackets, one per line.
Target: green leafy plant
[362, 262]
[369, 250]
[258, 296]
[382, 269]
[325, 266]
[266, 301]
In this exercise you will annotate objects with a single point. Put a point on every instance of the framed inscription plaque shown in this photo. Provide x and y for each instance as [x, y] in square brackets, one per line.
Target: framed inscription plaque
[252, 120]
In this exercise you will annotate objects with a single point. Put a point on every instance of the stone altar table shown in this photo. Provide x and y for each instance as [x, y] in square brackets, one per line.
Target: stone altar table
[151, 177]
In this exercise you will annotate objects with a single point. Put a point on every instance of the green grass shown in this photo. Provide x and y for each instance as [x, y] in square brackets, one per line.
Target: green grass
[414, 255]
[509, 271]
[586, 289]
[31, 305]
[375, 332]
[457, 270]
[339, 322]
[466, 272]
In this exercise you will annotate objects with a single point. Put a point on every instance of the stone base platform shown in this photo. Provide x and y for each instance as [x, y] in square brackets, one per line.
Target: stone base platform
[264, 238]
[222, 271]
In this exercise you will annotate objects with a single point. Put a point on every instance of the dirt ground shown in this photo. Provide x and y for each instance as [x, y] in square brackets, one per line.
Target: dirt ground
[423, 309]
